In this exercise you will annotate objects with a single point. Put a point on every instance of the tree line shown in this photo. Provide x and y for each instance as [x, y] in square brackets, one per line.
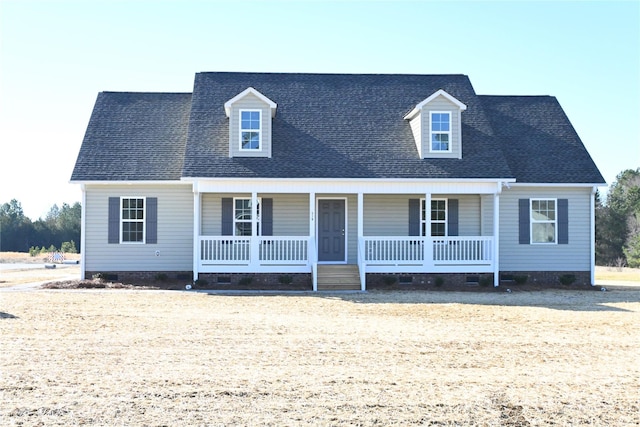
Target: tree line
[59, 230]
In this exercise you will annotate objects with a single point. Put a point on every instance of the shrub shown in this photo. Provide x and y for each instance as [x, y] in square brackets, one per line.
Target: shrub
[69, 247]
[285, 279]
[245, 281]
[34, 251]
[567, 279]
[520, 280]
[439, 281]
[389, 280]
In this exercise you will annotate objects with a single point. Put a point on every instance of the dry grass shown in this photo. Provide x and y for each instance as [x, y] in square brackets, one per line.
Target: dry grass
[623, 274]
[175, 358]
[19, 276]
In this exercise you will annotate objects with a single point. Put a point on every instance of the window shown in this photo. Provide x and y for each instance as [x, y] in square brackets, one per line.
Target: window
[250, 129]
[132, 220]
[440, 131]
[543, 221]
[438, 221]
[242, 217]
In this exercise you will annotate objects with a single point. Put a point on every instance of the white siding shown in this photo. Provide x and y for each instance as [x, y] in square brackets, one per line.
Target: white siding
[575, 256]
[249, 102]
[416, 130]
[175, 230]
[441, 103]
[486, 215]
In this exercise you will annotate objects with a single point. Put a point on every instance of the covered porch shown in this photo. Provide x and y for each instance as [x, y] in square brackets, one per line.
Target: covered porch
[390, 229]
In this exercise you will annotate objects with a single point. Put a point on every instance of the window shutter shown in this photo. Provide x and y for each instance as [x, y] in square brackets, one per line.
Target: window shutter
[414, 217]
[266, 220]
[227, 216]
[151, 223]
[114, 220]
[452, 219]
[524, 221]
[563, 221]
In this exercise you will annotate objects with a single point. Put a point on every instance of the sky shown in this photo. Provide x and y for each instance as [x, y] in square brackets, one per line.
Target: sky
[56, 56]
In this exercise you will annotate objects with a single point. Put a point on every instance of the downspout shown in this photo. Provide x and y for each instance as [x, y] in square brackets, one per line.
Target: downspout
[593, 235]
[83, 227]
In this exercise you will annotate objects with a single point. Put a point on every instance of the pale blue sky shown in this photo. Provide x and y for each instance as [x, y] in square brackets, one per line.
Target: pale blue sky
[55, 57]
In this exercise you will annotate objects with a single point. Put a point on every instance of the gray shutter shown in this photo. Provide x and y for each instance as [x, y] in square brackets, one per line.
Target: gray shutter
[114, 220]
[524, 221]
[266, 220]
[227, 216]
[152, 220]
[563, 221]
[452, 219]
[414, 217]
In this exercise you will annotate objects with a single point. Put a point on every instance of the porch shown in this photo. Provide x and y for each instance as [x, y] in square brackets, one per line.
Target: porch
[381, 231]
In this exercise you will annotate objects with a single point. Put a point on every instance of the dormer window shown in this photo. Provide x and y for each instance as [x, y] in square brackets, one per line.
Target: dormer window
[440, 131]
[250, 129]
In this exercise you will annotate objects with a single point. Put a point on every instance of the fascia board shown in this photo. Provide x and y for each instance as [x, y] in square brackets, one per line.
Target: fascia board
[252, 91]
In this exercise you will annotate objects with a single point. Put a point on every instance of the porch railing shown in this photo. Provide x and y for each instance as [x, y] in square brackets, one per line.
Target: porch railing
[271, 250]
[415, 250]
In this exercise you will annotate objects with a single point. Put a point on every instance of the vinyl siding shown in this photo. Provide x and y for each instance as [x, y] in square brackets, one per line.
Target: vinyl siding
[486, 215]
[388, 215]
[574, 256]
[416, 130]
[249, 102]
[440, 103]
[290, 213]
[175, 230]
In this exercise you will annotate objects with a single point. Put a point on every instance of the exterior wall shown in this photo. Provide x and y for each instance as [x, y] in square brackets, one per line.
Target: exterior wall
[416, 130]
[290, 213]
[175, 230]
[574, 256]
[486, 215]
[388, 215]
[250, 102]
[440, 103]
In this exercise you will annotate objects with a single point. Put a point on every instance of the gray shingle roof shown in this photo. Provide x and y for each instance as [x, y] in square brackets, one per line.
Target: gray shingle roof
[337, 126]
[328, 126]
[134, 137]
[538, 140]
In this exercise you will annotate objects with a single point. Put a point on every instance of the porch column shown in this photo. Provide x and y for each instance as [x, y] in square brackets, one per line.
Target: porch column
[428, 241]
[360, 241]
[312, 250]
[496, 236]
[593, 235]
[83, 232]
[254, 247]
[196, 232]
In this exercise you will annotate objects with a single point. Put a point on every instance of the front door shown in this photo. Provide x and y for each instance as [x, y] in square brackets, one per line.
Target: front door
[331, 230]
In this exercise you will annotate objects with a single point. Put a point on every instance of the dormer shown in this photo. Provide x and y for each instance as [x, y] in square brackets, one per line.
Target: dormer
[436, 124]
[250, 114]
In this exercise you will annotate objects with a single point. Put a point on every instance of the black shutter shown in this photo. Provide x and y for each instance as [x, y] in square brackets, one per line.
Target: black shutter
[152, 220]
[524, 221]
[114, 220]
[452, 219]
[227, 216]
[563, 221]
[266, 209]
[414, 217]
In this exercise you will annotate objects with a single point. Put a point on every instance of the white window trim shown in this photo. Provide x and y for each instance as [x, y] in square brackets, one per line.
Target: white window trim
[245, 221]
[432, 132]
[534, 221]
[260, 141]
[423, 221]
[143, 220]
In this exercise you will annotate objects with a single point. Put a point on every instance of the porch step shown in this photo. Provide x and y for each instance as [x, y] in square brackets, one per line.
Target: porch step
[338, 278]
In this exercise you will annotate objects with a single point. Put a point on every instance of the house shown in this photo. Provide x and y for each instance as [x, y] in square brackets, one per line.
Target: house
[309, 179]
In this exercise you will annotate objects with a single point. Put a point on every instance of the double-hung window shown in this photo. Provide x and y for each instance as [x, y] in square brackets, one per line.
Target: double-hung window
[543, 221]
[436, 223]
[242, 217]
[440, 131]
[132, 219]
[250, 129]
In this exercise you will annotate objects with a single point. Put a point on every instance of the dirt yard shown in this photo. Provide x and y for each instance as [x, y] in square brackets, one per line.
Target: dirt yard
[122, 357]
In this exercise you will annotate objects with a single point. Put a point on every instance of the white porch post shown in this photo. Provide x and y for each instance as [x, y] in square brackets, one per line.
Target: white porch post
[496, 236]
[363, 281]
[196, 232]
[255, 240]
[428, 241]
[312, 249]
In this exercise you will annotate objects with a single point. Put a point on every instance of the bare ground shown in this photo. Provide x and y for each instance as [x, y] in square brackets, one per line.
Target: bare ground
[97, 357]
